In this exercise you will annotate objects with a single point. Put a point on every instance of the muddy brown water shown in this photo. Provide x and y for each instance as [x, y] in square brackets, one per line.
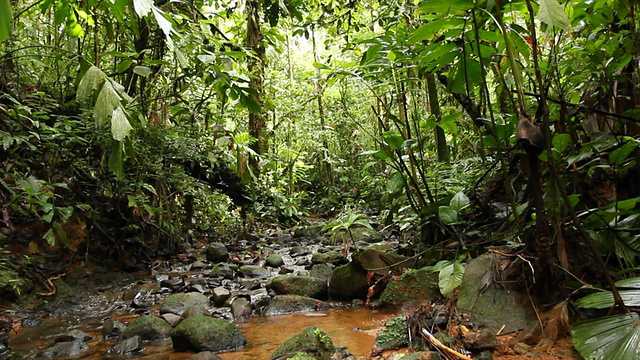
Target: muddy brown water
[354, 328]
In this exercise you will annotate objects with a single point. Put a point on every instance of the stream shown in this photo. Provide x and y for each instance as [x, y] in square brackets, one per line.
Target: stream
[98, 300]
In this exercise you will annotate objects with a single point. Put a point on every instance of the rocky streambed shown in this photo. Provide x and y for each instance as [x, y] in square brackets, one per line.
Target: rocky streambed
[286, 295]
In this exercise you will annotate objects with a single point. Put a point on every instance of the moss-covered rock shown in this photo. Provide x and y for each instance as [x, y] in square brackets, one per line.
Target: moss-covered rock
[413, 285]
[178, 303]
[216, 253]
[331, 257]
[205, 333]
[299, 285]
[254, 271]
[287, 304]
[496, 306]
[274, 261]
[394, 335]
[311, 343]
[148, 327]
[348, 282]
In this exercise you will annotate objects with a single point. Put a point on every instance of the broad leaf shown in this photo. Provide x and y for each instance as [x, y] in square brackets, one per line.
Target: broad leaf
[633, 283]
[450, 278]
[459, 201]
[619, 155]
[553, 14]
[561, 142]
[614, 337]
[91, 80]
[6, 17]
[106, 103]
[393, 139]
[142, 7]
[142, 70]
[447, 215]
[120, 126]
[604, 299]
[445, 7]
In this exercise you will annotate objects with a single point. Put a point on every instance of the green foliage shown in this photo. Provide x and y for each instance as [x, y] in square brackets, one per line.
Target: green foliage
[344, 225]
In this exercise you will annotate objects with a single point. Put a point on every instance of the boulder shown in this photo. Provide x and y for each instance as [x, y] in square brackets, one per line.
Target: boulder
[254, 271]
[348, 282]
[204, 355]
[217, 253]
[148, 327]
[287, 304]
[413, 285]
[127, 346]
[65, 349]
[331, 257]
[495, 305]
[312, 341]
[178, 303]
[205, 333]
[394, 335]
[299, 285]
[221, 270]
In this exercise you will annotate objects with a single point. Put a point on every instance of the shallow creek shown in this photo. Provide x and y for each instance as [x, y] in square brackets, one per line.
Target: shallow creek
[352, 327]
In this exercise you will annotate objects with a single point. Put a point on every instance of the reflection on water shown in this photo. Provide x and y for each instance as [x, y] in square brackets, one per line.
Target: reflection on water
[353, 328]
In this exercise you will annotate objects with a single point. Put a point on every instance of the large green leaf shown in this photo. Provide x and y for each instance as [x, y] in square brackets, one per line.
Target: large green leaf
[393, 139]
[106, 103]
[459, 201]
[120, 126]
[445, 7]
[552, 14]
[450, 278]
[614, 337]
[6, 17]
[142, 7]
[447, 215]
[91, 80]
[604, 299]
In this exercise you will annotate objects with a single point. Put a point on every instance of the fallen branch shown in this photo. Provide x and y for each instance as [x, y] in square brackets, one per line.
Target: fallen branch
[447, 352]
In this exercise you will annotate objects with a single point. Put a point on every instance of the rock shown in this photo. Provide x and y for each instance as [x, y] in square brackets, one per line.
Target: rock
[381, 262]
[422, 355]
[195, 310]
[299, 285]
[332, 257]
[274, 261]
[127, 346]
[178, 303]
[478, 341]
[174, 284]
[222, 270]
[148, 327]
[311, 341]
[217, 253]
[199, 265]
[394, 335]
[413, 285]
[172, 319]
[287, 304]
[298, 251]
[204, 355]
[219, 295]
[65, 349]
[74, 335]
[495, 305]
[205, 333]
[254, 271]
[31, 322]
[113, 329]
[348, 282]
[321, 271]
[308, 231]
[241, 308]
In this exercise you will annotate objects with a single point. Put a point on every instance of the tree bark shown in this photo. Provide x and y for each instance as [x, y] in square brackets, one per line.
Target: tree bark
[256, 70]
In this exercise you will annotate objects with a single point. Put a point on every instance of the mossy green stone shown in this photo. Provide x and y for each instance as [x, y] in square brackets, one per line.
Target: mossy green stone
[205, 333]
[311, 339]
[148, 327]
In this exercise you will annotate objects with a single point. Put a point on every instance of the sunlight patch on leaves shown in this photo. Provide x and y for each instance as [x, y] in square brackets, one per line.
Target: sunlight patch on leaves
[142, 7]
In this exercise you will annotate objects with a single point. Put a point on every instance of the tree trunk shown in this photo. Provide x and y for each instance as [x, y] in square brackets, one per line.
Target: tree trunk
[434, 104]
[256, 69]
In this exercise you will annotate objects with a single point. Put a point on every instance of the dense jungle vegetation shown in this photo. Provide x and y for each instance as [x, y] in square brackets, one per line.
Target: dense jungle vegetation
[131, 128]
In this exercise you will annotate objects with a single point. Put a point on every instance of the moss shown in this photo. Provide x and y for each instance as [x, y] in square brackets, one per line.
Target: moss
[311, 339]
[394, 336]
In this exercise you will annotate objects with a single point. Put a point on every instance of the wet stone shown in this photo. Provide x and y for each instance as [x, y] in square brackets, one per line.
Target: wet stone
[222, 270]
[217, 253]
[241, 308]
[299, 285]
[204, 355]
[287, 304]
[74, 335]
[31, 322]
[298, 251]
[195, 310]
[161, 278]
[127, 346]
[219, 295]
[148, 328]
[274, 261]
[178, 303]
[172, 319]
[65, 349]
[205, 333]
[199, 265]
[113, 329]
[332, 257]
[321, 271]
[311, 341]
[174, 284]
[483, 340]
[254, 271]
